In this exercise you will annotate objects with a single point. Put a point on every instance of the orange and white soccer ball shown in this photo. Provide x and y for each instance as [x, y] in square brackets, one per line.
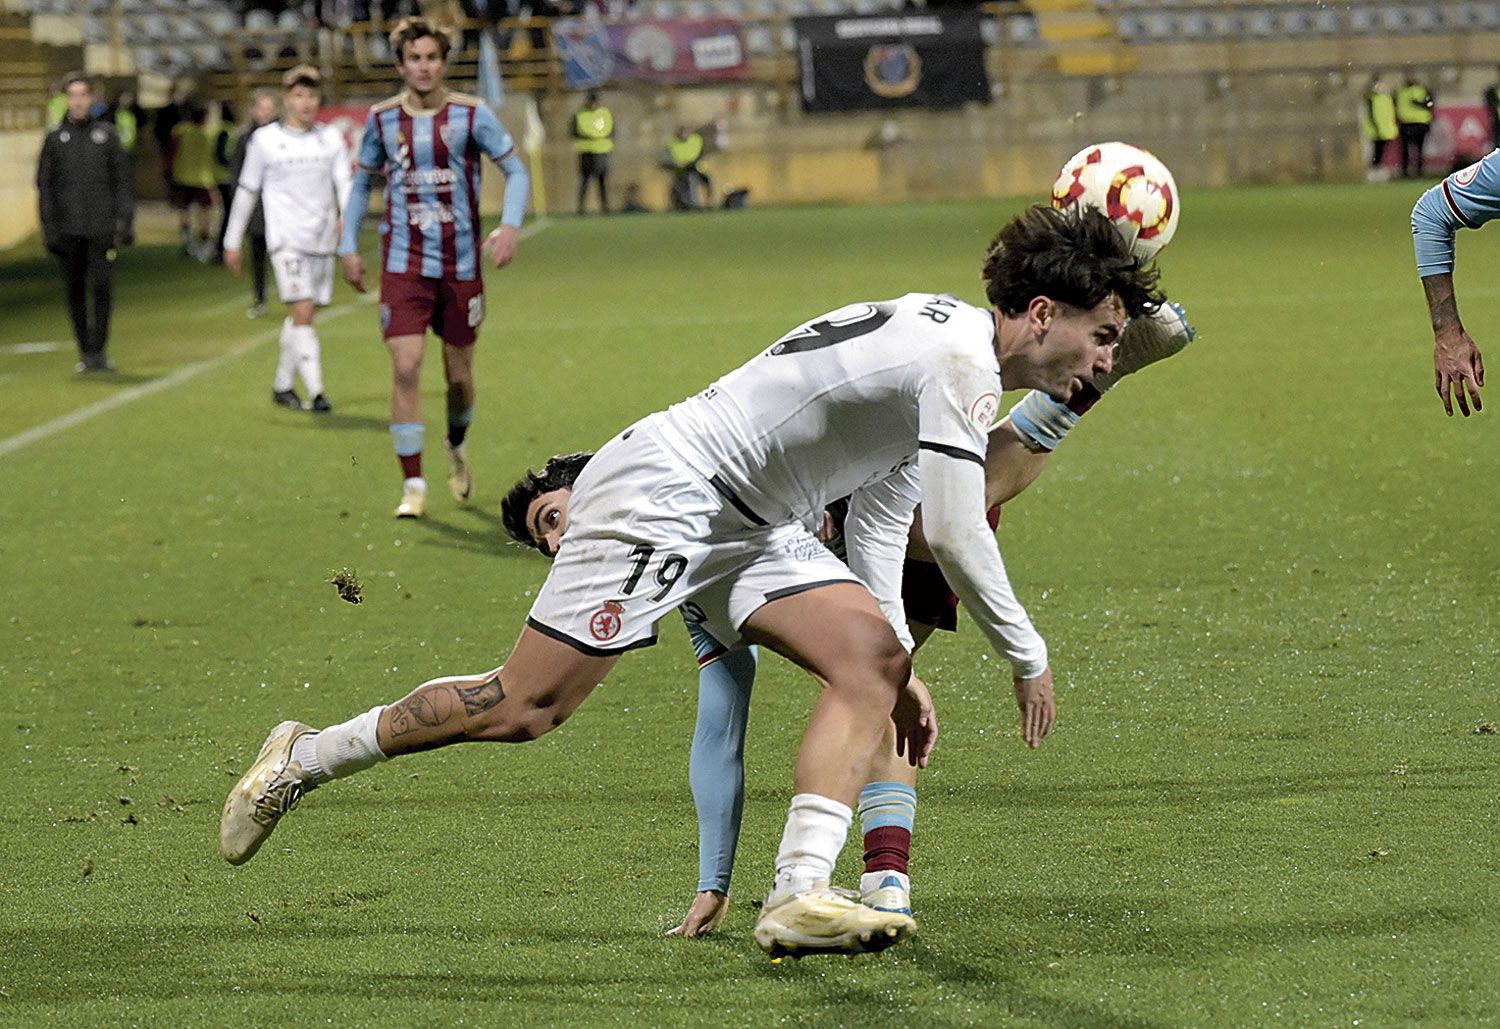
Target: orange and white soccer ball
[1130, 186]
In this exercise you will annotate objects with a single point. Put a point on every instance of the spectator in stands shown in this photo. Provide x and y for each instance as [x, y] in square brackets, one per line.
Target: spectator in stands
[191, 185]
[262, 113]
[223, 138]
[86, 205]
[1378, 125]
[593, 139]
[1414, 113]
[691, 186]
[1492, 108]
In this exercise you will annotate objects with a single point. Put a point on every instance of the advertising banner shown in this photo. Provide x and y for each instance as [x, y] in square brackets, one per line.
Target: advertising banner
[896, 60]
[682, 51]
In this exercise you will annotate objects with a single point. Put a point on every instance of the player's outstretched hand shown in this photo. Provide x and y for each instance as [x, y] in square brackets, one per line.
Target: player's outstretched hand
[916, 723]
[232, 261]
[500, 245]
[1460, 369]
[354, 271]
[1038, 707]
[707, 912]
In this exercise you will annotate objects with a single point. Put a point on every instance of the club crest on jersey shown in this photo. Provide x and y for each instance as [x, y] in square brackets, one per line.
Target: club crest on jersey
[448, 133]
[606, 622]
[983, 411]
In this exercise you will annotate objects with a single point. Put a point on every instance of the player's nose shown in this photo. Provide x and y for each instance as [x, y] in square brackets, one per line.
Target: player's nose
[1105, 362]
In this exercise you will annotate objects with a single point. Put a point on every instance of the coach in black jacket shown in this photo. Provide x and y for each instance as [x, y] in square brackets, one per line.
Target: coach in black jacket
[87, 204]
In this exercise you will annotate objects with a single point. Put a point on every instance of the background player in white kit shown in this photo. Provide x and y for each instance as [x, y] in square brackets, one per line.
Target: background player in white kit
[712, 500]
[301, 172]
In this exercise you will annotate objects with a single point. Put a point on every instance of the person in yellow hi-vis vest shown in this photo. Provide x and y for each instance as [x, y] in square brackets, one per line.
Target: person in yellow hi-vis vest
[192, 184]
[1378, 125]
[1414, 112]
[593, 138]
[691, 186]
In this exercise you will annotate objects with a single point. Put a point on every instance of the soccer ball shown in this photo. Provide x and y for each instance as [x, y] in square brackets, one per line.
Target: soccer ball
[1129, 186]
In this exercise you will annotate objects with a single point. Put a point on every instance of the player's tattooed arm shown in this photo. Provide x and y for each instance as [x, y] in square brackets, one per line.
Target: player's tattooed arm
[479, 699]
[1458, 368]
[1441, 302]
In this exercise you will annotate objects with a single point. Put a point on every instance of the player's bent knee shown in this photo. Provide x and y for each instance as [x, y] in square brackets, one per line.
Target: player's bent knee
[515, 722]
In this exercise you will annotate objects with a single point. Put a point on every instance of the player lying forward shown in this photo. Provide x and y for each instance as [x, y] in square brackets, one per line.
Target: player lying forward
[1018, 451]
[708, 502]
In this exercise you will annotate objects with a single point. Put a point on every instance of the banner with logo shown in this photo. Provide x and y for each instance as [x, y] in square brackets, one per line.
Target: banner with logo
[897, 60]
[676, 51]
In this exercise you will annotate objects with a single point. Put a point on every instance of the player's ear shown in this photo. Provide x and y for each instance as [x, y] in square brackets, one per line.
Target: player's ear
[1039, 314]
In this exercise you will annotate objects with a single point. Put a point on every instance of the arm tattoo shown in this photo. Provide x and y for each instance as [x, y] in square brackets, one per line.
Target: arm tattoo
[424, 709]
[478, 699]
[1441, 302]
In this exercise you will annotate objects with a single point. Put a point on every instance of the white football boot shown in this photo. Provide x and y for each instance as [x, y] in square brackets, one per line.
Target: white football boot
[413, 499]
[270, 789]
[886, 891]
[825, 920]
[460, 475]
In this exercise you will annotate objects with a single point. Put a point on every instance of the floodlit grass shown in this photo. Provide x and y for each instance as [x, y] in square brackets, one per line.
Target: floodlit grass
[1268, 571]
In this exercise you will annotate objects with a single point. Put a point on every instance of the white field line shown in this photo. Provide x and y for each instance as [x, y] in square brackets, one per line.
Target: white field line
[21, 440]
[125, 396]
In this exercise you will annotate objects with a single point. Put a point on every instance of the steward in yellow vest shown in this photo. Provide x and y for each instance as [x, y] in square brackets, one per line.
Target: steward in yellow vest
[1414, 112]
[593, 139]
[691, 186]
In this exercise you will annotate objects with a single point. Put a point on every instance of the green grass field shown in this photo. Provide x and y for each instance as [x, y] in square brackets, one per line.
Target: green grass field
[1268, 570]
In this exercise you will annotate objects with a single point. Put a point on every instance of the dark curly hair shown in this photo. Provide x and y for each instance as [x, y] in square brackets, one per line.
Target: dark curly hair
[559, 472]
[1076, 257]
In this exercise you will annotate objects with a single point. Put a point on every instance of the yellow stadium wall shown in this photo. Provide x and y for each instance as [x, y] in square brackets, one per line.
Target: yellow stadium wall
[18, 210]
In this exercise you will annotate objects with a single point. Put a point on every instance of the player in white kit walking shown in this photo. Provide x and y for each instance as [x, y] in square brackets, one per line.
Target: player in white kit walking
[301, 172]
[712, 503]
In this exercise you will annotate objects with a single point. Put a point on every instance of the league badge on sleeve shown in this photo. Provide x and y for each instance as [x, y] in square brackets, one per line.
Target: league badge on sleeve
[983, 411]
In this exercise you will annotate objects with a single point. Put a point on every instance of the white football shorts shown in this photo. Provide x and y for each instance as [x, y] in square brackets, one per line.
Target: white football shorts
[647, 534]
[302, 276]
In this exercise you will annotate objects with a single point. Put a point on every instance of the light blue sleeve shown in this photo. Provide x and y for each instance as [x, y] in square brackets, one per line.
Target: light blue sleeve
[1464, 200]
[716, 767]
[371, 159]
[517, 191]
[497, 145]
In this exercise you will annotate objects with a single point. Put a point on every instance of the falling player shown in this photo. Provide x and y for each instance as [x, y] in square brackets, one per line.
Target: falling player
[299, 171]
[709, 502]
[427, 142]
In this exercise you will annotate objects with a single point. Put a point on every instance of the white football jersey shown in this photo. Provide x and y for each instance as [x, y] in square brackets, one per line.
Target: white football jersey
[842, 402]
[303, 179]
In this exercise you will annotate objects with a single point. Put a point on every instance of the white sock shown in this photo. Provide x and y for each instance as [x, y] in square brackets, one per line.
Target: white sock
[869, 881]
[340, 750]
[309, 356]
[815, 831]
[419, 484]
[286, 364]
